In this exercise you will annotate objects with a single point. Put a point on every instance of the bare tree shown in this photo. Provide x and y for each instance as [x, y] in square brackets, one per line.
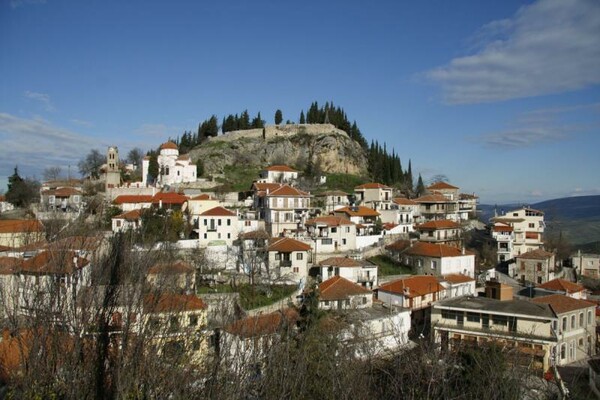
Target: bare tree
[52, 173]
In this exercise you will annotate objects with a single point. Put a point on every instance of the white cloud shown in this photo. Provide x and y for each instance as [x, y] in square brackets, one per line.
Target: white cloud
[550, 46]
[42, 98]
[36, 143]
[544, 125]
[81, 122]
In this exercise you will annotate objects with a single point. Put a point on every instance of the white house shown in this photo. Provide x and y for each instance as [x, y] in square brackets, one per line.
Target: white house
[457, 285]
[374, 195]
[586, 264]
[133, 202]
[338, 293]
[441, 231]
[332, 200]
[357, 271]
[283, 207]
[126, 221]
[526, 235]
[218, 223]
[332, 234]
[279, 174]
[439, 259]
[288, 259]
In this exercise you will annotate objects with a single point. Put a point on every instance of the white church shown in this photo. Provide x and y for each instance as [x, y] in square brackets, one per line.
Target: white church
[172, 167]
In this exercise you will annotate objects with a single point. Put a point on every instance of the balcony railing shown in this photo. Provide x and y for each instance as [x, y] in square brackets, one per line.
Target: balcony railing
[285, 263]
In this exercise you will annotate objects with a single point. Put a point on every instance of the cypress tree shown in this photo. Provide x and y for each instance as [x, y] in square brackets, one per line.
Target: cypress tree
[278, 117]
[302, 119]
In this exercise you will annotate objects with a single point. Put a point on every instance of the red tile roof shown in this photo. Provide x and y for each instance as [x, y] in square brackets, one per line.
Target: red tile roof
[432, 198]
[458, 278]
[439, 224]
[264, 324]
[341, 262]
[338, 288]
[263, 186]
[372, 185]
[168, 145]
[132, 215]
[403, 201]
[62, 192]
[329, 221]
[177, 267]
[537, 254]
[360, 211]
[54, 262]
[20, 226]
[332, 193]
[203, 196]
[280, 168]
[124, 199]
[218, 212]
[287, 245]
[169, 198]
[8, 265]
[419, 285]
[258, 234]
[76, 243]
[399, 245]
[435, 250]
[287, 190]
[561, 304]
[173, 302]
[503, 228]
[441, 185]
[562, 285]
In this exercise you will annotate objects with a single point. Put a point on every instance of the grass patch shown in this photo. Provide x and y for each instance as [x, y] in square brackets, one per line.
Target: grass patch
[241, 176]
[345, 182]
[388, 266]
[250, 297]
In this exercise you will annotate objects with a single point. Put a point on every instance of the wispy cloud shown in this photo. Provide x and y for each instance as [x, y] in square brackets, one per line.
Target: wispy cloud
[542, 126]
[43, 98]
[53, 145]
[81, 122]
[550, 46]
[19, 3]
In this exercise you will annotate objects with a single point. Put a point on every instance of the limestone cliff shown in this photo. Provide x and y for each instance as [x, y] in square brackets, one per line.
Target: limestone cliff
[330, 148]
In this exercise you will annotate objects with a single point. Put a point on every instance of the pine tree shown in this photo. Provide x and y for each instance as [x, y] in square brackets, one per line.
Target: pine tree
[244, 122]
[278, 117]
[302, 119]
[409, 176]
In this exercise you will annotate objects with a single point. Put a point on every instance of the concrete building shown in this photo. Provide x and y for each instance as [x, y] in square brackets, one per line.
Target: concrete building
[374, 195]
[332, 234]
[526, 234]
[357, 271]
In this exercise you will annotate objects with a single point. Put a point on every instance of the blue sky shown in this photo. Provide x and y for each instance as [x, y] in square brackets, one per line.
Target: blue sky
[501, 97]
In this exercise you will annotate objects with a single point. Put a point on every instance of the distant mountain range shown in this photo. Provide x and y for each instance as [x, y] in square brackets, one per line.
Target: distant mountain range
[577, 217]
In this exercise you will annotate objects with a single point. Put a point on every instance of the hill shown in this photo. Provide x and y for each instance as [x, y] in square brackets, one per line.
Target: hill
[303, 146]
[578, 218]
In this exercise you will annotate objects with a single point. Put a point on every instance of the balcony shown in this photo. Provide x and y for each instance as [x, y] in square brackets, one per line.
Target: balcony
[285, 264]
[365, 278]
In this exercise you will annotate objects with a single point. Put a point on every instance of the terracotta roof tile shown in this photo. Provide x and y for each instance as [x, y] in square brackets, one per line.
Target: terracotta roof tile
[218, 212]
[124, 199]
[177, 267]
[372, 185]
[287, 245]
[441, 185]
[132, 215]
[537, 254]
[360, 211]
[62, 192]
[503, 228]
[20, 226]
[169, 198]
[419, 285]
[203, 196]
[562, 285]
[54, 262]
[287, 190]
[439, 224]
[458, 278]
[280, 168]
[9, 265]
[264, 324]
[399, 245]
[332, 193]
[173, 302]
[341, 262]
[338, 288]
[432, 198]
[169, 146]
[403, 201]
[561, 304]
[435, 250]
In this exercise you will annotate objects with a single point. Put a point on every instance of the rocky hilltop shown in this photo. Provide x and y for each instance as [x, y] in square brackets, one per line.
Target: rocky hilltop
[329, 148]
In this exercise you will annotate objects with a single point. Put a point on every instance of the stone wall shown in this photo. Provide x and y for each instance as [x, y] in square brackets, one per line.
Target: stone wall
[273, 131]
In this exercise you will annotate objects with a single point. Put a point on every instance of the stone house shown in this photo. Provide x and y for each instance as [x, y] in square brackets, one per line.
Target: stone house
[332, 234]
[536, 266]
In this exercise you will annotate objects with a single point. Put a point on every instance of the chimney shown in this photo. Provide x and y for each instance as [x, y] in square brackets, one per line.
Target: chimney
[463, 250]
[406, 291]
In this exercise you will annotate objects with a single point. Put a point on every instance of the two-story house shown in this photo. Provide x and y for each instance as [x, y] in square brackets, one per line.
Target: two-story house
[330, 201]
[527, 230]
[130, 220]
[61, 199]
[357, 271]
[338, 293]
[20, 232]
[284, 208]
[443, 231]
[435, 259]
[520, 326]
[133, 202]
[332, 234]
[279, 174]
[365, 218]
[288, 259]
[407, 212]
[586, 264]
[374, 195]
[575, 327]
[217, 224]
[535, 266]
[436, 206]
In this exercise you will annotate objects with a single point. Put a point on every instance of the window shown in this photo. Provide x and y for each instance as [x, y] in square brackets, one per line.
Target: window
[564, 323]
[333, 230]
[500, 320]
[344, 242]
[296, 269]
[193, 320]
[229, 236]
[473, 317]
[219, 222]
[563, 351]
[347, 229]
[299, 256]
[364, 300]
[539, 279]
[277, 256]
[327, 241]
[118, 223]
[205, 236]
[539, 266]
[228, 222]
[572, 322]
[581, 320]
[76, 199]
[531, 225]
[589, 319]
[205, 222]
[326, 302]
[433, 264]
